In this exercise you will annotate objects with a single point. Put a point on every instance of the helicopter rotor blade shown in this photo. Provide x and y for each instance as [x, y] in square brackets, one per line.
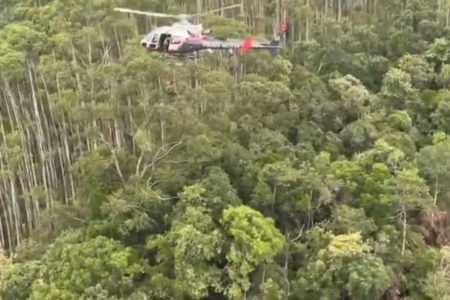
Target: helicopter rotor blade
[210, 11]
[181, 17]
[146, 13]
[220, 9]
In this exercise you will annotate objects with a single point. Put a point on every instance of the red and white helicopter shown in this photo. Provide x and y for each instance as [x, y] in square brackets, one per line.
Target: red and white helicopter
[184, 37]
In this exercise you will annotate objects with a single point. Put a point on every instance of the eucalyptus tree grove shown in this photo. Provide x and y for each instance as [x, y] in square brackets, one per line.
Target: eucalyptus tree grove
[321, 173]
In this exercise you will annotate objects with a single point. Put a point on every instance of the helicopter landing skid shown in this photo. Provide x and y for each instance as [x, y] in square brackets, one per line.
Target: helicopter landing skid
[179, 55]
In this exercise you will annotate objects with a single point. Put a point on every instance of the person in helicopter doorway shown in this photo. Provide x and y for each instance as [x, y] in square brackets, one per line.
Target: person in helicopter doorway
[166, 44]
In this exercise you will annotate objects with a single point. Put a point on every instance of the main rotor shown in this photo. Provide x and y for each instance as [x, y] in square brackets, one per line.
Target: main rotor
[183, 19]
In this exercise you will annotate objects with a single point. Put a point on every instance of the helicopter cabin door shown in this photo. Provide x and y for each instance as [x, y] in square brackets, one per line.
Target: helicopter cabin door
[164, 41]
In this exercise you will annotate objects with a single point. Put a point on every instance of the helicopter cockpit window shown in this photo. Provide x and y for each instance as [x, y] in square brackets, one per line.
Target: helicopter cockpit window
[176, 40]
[155, 39]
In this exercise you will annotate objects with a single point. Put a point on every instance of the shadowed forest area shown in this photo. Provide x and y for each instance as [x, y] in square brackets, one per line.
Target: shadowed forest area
[322, 173]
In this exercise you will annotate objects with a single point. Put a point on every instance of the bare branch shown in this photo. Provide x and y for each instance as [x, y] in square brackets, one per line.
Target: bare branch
[157, 158]
[299, 234]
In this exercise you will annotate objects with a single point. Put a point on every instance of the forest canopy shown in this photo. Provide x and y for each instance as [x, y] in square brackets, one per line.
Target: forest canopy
[321, 173]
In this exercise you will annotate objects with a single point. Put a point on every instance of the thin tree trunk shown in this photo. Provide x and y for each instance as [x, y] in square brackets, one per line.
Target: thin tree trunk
[436, 190]
[307, 23]
[404, 231]
[40, 139]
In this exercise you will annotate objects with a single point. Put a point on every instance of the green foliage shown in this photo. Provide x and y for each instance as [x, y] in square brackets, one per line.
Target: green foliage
[99, 178]
[320, 173]
[16, 280]
[70, 269]
[194, 243]
[344, 267]
[134, 211]
[254, 240]
[225, 28]
[349, 220]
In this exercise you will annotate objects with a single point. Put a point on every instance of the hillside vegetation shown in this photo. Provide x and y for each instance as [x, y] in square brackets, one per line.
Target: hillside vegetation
[322, 173]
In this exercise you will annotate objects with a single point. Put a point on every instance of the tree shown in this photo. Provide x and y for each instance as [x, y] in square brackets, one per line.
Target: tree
[70, 270]
[432, 161]
[195, 244]
[254, 242]
[345, 268]
[410, 192]
[316, 173]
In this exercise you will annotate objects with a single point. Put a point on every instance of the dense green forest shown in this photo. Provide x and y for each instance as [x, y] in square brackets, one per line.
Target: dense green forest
[321, 173]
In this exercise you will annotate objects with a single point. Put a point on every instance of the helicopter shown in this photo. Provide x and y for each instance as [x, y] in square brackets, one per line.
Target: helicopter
[185, 38]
